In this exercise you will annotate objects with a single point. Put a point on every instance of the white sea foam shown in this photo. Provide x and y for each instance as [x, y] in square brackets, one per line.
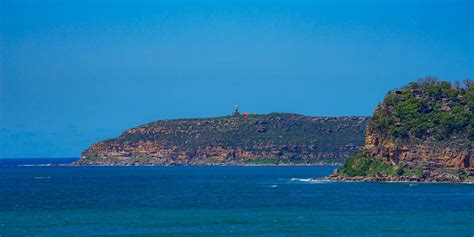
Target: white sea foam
[42, 177]
[310, 180]
[33, 165]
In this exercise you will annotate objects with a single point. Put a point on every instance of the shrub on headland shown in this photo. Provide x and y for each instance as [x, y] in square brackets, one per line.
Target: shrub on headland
[427, 108]
[365, 166]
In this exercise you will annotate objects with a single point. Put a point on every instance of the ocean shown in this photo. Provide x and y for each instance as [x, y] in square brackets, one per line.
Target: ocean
[221, 201]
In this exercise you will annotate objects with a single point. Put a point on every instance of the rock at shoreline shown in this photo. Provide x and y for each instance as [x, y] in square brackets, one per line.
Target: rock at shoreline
[423, 132]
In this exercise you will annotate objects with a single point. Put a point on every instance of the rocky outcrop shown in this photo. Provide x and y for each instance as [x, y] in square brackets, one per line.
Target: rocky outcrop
[426, 128]
[428, 155]
[429, 176]
[273, 139]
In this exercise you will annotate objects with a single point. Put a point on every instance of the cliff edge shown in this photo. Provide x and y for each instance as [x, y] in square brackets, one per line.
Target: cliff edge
[421, 132]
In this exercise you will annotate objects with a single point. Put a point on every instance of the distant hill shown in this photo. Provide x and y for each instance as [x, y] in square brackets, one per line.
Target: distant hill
[266, 139]
[423, 131]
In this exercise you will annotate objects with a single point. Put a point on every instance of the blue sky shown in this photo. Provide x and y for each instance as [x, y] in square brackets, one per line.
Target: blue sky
[75, 72]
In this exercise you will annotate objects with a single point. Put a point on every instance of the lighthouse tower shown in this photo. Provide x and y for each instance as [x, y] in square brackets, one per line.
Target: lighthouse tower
[236, 111]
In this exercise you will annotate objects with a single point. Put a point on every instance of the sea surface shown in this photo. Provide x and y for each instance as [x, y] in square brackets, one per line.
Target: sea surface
[221, 201]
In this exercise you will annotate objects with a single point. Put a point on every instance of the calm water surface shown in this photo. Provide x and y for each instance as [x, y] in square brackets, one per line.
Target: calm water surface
[222, 201]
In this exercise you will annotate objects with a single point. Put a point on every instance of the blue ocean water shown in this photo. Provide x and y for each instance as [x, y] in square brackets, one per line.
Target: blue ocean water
[222, 201]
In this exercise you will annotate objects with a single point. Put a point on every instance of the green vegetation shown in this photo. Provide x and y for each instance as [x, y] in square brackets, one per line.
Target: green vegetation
[289, 133]
[91, 157]
[212, 160]
[264, 161]
[409, 171]
[429, 112]
[365, 166]
[292, 138]
[293, 161]
[313, 161]
[428, 108]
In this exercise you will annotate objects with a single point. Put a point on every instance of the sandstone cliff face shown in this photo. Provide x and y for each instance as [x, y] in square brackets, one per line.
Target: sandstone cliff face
[445, 117]
[283, 139]
[427, 155]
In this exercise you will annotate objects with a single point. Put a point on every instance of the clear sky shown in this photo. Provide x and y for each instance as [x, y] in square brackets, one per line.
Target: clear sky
[75, 72]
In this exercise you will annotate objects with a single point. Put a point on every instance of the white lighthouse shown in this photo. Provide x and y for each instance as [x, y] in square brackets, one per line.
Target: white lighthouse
[236, 111]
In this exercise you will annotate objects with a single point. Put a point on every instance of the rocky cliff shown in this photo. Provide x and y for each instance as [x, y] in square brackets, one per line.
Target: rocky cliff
[421, 132]
[271, 139]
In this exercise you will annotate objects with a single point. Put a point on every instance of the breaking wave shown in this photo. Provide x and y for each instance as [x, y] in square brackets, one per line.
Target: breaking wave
[310, 180]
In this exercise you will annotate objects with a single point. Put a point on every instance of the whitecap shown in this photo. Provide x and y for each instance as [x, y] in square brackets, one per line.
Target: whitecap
[34, 165]
[42, 177]
[310, 180]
